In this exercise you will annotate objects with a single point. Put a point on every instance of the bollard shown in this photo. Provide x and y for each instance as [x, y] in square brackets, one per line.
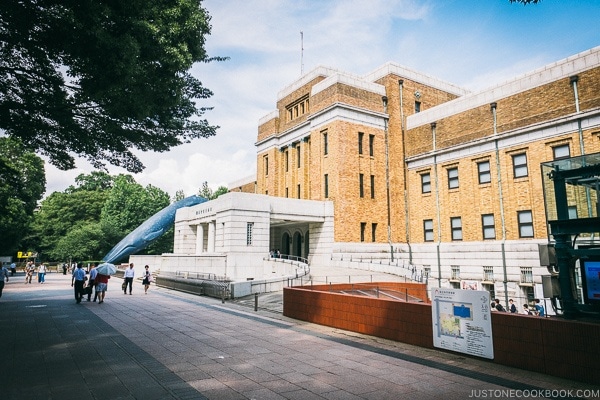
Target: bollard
[255, 301]
[223, 296]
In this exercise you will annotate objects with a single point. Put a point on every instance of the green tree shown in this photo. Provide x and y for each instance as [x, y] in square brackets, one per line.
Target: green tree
[87, 241]
[128, 205]
[205, 191]
[22, 184]
[179, 195]
[220, 190]
[62, 212]
[209, 194]
[100, 78]
[95, 181]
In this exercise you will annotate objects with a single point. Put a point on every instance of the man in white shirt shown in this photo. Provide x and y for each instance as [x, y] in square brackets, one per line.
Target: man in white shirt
[129, 274]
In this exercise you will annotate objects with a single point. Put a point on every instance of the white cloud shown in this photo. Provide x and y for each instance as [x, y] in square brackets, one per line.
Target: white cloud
[473, 44]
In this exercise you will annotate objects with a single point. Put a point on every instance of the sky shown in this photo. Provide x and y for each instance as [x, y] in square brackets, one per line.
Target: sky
[471, 43]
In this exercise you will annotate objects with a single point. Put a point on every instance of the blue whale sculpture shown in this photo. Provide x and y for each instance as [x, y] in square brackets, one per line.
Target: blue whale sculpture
[149, 230]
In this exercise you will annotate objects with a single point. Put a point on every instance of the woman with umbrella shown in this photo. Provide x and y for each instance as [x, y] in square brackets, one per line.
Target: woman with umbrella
[105, 270]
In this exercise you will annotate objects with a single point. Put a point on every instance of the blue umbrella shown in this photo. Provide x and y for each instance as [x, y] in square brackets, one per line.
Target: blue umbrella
[106, 269]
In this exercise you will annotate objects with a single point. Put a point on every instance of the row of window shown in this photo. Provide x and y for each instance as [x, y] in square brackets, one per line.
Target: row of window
[488, 274]
[519, 163]
[361, 136]
[488, 227]
[298, 108]
[363, 231]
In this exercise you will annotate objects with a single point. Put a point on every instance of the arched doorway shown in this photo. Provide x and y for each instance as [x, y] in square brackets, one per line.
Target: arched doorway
[297, 244]
[285, 243]
[306, 242]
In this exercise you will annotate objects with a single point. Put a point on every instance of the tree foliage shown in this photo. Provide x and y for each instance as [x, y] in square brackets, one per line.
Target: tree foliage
[209, 194]
[61, 213]
[101, 78]
[128, 205]
[22, 184]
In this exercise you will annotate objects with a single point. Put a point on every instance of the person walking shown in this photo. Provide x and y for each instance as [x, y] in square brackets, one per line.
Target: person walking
[147, 278]
[13, 269]
[129, 274]
[512, 307]
[3, 276]
[539, 309]
[101, 286]
[42, 273]
[92, 283]
[77, 280]
[29, 270]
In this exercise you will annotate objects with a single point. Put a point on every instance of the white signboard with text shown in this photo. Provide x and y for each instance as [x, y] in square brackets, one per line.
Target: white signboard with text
[462, 321]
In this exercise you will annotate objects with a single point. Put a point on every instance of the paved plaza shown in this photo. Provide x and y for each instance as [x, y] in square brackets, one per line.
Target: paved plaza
[173, 345]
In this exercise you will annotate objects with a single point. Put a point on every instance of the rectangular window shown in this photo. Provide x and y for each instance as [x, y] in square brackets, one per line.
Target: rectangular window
[287, 161]
[456, 228]
[520, 165]
[363, 227]
[417, 107]
[371, 145]
[298, 155]
[562, 151]
[360, 142]
[361, 189]
[572, 212]
[266, 166]
[426, 183]
[452, 178]
[326, 182]
[488, 226]
[325, 144]
[372, 186]
[483, 168]
[428, 230]
[526, 275]
[455, 273]
[488, 274]
[298, 190]
[373, 232]
[249, 227]
[525, 219]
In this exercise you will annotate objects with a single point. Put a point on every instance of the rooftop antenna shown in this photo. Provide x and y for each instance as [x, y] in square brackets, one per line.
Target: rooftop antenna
[301, 53]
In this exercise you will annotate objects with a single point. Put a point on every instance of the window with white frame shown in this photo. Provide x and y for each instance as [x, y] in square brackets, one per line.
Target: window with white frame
[520, 165]
[526, 275]
[428, 230]
[452, 178]
[561, 151]
[456, 228]
[488, 274]
[426, 183]
[455, 274]
[249, 228]
[488, 226]
[525, 219]
[483, 170]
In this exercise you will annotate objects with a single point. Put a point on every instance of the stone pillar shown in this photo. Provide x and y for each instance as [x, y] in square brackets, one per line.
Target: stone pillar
[211, 236]
[200, 239]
